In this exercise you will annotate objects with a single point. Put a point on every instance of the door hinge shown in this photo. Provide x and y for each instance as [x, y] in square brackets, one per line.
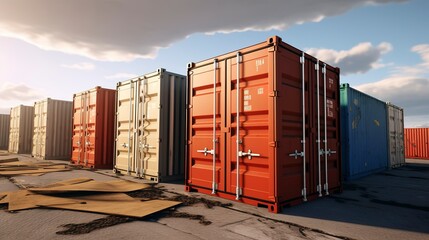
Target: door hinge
[189, 106]
[273, 144]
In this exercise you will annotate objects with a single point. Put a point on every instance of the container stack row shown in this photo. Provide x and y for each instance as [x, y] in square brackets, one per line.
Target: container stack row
[372, 134]
[267, 125]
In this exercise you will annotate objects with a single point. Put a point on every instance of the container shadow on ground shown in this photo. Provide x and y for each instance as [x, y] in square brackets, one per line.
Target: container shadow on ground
[394, 199]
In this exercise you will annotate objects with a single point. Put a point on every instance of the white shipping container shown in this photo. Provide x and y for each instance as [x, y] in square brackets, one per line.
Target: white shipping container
[4, 131]
[395, 116]
[21, 129]
[52, 129]
[150, 123]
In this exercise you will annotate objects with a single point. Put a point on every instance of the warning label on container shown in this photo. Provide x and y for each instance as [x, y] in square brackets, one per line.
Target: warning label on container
[331, 83]
[330, 107]
[248, 108]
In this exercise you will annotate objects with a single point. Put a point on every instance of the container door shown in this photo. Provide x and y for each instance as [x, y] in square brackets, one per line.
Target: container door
[293, 120]
[39, 130]
[79, 114]
[90, 121]
[250, 154]
[148, 115]
[14, 130]
[206, 127]
[125, 134]
[399, 125]
[392, 117]
[329, 151]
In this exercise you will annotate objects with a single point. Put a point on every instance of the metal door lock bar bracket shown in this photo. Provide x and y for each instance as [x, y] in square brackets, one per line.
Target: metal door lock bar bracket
[297, 154]
[206, 151]
[249, 154]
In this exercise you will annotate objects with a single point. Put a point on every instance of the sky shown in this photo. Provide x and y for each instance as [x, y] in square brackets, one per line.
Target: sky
[55, 48]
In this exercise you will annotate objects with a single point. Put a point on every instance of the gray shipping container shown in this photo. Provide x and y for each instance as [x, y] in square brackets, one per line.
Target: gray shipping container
[150, 126]
[52, 129]
[4, 131]
[21, 129]
[395, 123]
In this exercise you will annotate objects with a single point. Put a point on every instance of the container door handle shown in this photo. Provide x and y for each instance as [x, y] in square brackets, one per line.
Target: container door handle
[249, 154]
[206, 151]
[297, 154]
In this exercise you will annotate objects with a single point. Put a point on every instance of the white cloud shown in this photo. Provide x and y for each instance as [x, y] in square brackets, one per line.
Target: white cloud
[80, 66]
[407, 87]
[121, 76]
[359, 59]
[11, 91]
[129, 29]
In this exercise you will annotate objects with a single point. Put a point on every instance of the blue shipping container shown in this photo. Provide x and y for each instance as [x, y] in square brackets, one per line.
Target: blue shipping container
[364, 135]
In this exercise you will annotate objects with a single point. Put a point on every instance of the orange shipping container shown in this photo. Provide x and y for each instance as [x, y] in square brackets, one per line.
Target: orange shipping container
[263, 126]
[417, 143]
[93, 128]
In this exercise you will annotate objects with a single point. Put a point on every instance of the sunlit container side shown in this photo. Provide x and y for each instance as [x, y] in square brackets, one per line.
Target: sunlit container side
[151, 125]
[364, 135]
[94, 128]
[52, 129]
[395, 123]
[21, 129]
[263, 126]
[417, 143]
[4, 131]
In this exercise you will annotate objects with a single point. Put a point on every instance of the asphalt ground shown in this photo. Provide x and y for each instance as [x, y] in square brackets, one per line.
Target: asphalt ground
[393, 204]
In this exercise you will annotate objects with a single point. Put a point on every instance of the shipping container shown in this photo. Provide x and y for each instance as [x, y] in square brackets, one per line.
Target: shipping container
[94, 128]
[417, 143]
[52, 129]
[364, 136]
[21, 129]
[151, 121]
[395, 123]
[263, 126]
[4, 131]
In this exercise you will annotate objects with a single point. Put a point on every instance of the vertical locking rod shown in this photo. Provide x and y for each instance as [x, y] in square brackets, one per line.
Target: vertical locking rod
[319, 186]
[326, 131]
[214, 128]
[237, 190]
[304, 190]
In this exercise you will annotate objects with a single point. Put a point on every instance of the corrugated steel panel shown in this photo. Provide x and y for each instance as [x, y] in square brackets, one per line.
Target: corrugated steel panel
[395, 123]
[21, 129]
[364, 135]
[417, 143]
[150, 126]
[256, 134]
[52, 129]
[94, 128]
[4, 131]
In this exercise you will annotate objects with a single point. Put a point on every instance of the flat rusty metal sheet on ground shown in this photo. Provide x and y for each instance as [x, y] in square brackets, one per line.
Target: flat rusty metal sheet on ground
[69, 182]
[24, 199]
[95, 186]
[32, 171]
[123, 208]
[8, 160]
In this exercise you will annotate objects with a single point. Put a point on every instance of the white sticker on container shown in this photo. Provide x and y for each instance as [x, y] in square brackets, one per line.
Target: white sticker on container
[246, 103]
[259, 62]
[247, 97]
[330, 107]
[248, 108]
[260, 91]
[246, 92]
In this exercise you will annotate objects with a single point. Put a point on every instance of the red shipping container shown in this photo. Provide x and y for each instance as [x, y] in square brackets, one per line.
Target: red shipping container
[93, 128]
[288, 101]
[417, 143]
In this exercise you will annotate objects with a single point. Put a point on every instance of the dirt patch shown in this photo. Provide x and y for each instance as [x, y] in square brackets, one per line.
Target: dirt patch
[83, 228]
[403, 205]
[201, 219]
[188, 201]
[151, 193]
[343, 199]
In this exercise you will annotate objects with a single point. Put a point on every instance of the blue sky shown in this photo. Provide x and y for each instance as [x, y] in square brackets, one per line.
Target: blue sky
[47, 52]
